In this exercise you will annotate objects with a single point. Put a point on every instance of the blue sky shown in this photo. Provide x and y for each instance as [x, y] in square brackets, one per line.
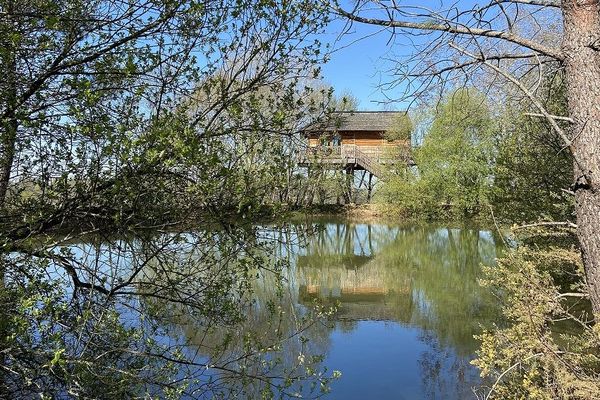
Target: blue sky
[358, 63]
[358, 66]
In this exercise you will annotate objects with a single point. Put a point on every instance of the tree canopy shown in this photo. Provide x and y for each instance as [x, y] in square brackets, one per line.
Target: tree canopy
[122, 125]
[454, 162]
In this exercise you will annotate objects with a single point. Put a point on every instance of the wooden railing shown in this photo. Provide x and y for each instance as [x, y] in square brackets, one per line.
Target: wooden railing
[385, 154]
[325, 151]
[355, 154]
[369, 157]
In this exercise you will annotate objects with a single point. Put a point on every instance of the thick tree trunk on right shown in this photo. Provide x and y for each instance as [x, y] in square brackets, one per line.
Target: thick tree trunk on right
[582, 65]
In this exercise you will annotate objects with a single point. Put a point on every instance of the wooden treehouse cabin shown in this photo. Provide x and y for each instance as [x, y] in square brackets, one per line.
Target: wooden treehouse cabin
[357, 141]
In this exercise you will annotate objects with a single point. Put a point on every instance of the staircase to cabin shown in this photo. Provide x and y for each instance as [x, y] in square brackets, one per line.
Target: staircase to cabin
[368, 158]
[352, 152]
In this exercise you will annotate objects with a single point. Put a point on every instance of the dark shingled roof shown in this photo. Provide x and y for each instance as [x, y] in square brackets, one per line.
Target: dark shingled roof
[359, 121]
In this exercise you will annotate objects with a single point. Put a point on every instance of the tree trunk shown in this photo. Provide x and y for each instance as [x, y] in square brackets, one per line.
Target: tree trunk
[582, 66]
[7, 154]
[8, 122]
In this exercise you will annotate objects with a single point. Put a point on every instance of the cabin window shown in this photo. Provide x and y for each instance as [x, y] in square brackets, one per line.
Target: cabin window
[329, 141]
[337, 140]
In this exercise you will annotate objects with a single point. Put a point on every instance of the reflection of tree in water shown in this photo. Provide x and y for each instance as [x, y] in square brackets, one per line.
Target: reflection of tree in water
[276, 328]
[444, 265]
[271, 343]
[418, 276]
[443, 373]
[421, 276]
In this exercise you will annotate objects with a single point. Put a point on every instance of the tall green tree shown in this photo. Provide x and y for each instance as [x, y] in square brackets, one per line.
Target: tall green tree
[453, 164]
[533, 170]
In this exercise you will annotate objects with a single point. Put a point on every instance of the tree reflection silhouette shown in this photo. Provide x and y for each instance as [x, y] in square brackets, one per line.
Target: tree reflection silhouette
[424, 276]
[421, 277]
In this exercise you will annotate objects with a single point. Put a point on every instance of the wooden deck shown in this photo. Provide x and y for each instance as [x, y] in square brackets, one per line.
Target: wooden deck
[370, 158]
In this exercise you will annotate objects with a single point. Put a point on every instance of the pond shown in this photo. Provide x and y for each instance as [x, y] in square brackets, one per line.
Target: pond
[408, 306]
[397, 307]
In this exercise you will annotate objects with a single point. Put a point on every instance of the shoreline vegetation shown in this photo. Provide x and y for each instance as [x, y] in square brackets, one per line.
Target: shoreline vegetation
[374, 212]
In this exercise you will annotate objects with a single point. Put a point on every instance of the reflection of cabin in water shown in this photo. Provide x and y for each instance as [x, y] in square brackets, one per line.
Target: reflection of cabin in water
[361, 294]
[341, 266]
[357, 141]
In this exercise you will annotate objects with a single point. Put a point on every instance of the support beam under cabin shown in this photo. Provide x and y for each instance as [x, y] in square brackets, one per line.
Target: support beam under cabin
[370, 188]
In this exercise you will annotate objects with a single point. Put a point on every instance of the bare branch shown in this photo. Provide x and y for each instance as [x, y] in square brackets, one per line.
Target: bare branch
[568, 142]
[540, 3]
[508, 370]
[580, 295]
[557, 117]
[568, 224]
[459, 30]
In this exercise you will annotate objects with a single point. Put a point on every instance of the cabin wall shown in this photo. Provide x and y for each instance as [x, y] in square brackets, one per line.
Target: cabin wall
[361, 139]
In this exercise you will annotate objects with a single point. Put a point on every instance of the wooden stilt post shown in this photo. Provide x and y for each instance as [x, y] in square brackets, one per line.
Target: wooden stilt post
[362, 179]
[351, 185]
[370, 187]
[349, 182]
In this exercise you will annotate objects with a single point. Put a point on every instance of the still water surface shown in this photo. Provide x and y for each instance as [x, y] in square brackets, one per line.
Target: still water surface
[408, 304]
